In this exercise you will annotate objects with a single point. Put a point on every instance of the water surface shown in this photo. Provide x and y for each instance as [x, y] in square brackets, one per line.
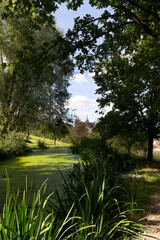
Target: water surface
[37, 166]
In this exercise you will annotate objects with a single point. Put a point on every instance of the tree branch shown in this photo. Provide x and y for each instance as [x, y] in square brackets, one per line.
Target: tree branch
[135, 19]
[144, 9]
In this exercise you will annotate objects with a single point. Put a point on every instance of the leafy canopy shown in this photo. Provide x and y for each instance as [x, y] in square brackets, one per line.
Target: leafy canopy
[33, 86]
[121, 26]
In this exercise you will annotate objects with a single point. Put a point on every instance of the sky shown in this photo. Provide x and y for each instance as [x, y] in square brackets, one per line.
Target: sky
[82, 88]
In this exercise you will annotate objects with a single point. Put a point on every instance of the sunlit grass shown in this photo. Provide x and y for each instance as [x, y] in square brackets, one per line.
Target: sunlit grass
[140, 185]
[156, 156]
[49, 143]
[151, 175]
[152, 179]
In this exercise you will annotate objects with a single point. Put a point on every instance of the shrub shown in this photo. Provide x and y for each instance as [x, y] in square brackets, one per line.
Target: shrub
[13, 145]
[95, 150]
[41, 144]
[66, 139]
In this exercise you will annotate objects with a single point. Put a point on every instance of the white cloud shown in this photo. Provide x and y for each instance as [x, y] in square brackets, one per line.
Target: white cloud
[79, 78]
[86, 107]
[82, 102]
[91, 74]
[108, 108]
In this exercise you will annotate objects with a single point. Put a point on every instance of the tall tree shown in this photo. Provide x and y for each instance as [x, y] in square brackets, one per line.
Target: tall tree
[122, 129]
[128, 28]
[123, 25]
[135, 95]
[31, 88]
[78, 132]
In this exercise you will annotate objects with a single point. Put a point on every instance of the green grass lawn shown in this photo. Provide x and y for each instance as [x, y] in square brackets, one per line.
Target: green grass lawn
[156, 156]
[48, 142]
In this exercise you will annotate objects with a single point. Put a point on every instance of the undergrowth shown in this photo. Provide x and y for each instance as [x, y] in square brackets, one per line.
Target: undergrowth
[13, 144]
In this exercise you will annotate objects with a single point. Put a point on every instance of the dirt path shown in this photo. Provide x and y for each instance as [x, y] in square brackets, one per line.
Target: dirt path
[152, 220]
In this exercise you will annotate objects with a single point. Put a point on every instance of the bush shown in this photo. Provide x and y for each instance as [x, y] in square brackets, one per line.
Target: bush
[41, 145]
[13, 144]
[97, 151]
[66, 139]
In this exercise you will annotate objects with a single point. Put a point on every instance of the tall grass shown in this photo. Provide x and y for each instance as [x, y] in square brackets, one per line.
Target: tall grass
[99, 201]
[94, 215]
[24, 218]
[97, 211]
[137, 194]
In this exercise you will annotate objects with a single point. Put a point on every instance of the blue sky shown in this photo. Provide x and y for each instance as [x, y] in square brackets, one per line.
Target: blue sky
[82, 88]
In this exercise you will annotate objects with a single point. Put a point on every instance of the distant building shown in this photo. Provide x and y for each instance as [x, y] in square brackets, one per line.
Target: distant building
[87, 124]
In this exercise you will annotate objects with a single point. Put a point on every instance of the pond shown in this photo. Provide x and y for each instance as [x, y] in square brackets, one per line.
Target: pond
[37, 166]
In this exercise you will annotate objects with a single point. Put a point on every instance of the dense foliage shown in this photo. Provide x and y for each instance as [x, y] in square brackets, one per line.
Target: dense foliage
[34, 75]
[135, 98]
[96, 151]
[13, 144]
[33, 89]
[78, 132]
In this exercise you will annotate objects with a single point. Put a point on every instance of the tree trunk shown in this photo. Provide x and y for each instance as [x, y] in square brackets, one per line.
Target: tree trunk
[28, 133]
[150, 145]
[129, 148]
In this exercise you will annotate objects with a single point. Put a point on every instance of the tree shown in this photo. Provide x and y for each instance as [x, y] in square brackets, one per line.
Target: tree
[24, 9]
[78, 132]
[135, 97]
[129, 29]
[121, 126]
[122, 25]
[31, 92]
